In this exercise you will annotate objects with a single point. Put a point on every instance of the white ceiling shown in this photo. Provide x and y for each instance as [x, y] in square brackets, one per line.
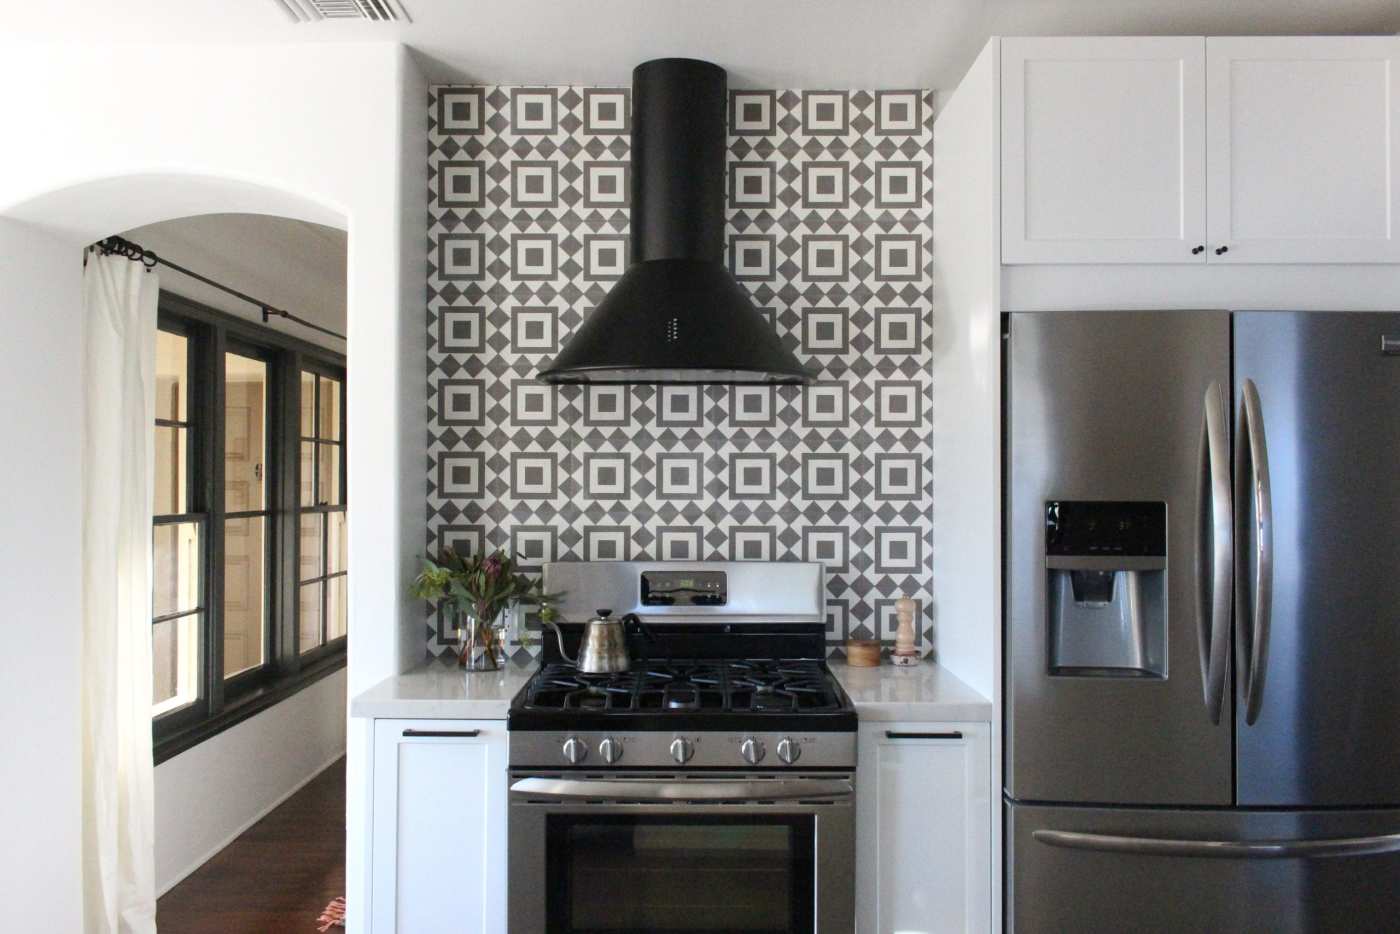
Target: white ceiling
[290, 264]
[763, 43]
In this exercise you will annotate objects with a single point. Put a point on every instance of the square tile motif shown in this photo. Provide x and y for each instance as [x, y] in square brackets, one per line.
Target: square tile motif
[534, 330]
[679, 407]
[461, 329]
[605, 406]
[898, 113]
[898, 551]
[460, 402]
[460, 184]
[824, 113]
[461, 257]
[607, 476]
[828, 544]
[825, 331]
[825, 258]
[460, 111]
[887, 619]
[753, 544]
[534, 545]
[678, 476]
[534, 183]
[534, 111]
[753, 406]
[605, 257]
[825, 405]
[606, 543]
[607, 184]
[752, 113]
[461, 474]
[898, 476]
[825, 185]
[752, 184]
[534, 257]
[534, 475]
[897, 404]
[752, 476]
[898, 257]
[678, 543]
[838, 614]
[466, 541]
[898, 330]
[532, 404]
[751, 257]
[607, 111]
[898, 185]
[825, 476]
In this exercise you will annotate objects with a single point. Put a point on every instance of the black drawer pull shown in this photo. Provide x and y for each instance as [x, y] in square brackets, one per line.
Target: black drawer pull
[953, 734]
[459, 733]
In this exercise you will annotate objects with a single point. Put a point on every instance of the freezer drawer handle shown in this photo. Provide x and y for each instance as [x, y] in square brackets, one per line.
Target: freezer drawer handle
[457, 733]
[951, 734]
[1222, 849]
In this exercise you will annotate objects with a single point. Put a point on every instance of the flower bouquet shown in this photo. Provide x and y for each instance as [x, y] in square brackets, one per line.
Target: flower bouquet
[477, 591]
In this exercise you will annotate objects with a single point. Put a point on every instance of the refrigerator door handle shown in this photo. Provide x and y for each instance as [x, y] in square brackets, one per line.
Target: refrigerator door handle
[1254, 603]
[1221, 849]
[1214, 550]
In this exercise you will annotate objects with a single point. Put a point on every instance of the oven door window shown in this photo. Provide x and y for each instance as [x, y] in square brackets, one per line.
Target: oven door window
[656, 874]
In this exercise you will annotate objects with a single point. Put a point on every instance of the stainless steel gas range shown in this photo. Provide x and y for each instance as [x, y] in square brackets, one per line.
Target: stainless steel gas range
[709, 788]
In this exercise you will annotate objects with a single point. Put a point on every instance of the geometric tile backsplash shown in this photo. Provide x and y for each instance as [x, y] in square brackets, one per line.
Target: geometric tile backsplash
[829, 228]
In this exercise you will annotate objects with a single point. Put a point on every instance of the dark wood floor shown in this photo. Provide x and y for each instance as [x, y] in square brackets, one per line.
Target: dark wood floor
[276, 877]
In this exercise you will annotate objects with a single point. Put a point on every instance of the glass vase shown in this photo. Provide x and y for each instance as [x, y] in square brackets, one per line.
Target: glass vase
[481, 643]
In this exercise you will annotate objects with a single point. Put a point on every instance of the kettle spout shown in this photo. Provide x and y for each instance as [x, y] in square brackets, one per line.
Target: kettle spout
[559, 634]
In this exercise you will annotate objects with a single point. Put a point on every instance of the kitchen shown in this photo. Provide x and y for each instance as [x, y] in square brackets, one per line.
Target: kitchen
[1223, 176]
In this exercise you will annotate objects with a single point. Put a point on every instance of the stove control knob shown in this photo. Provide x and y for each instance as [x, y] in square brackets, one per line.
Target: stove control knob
[789, 750]
[752, 751]
[575, 750]
[681, 750]
[610, 749]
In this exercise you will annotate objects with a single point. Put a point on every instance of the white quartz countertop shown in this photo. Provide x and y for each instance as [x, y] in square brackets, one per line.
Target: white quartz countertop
[923, 692]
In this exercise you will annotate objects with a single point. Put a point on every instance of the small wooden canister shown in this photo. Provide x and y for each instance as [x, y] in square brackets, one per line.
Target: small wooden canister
[863, 653]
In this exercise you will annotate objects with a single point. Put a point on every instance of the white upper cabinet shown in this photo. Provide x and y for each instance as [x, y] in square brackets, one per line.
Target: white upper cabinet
[1302, 152]
[1103, 150]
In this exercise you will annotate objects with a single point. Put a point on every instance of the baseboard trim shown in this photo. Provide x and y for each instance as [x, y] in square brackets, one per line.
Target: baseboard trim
[214, 851]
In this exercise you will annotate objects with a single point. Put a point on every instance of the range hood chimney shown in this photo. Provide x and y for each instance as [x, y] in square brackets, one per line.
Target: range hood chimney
[677, 315]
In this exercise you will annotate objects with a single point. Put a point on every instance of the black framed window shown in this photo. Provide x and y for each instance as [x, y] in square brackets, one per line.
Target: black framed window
[234, 628]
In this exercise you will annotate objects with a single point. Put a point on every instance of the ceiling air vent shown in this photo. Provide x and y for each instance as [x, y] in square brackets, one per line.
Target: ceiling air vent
[310, 11]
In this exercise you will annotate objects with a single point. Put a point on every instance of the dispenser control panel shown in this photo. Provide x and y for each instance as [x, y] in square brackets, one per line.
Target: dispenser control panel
[1084, 527]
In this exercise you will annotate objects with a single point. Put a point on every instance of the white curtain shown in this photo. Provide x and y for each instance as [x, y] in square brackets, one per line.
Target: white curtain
[119, 298]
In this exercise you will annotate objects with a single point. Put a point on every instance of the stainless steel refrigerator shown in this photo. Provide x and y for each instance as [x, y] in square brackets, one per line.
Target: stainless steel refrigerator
[1202, 668]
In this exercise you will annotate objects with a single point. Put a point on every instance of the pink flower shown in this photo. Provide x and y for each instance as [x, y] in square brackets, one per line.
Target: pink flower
[492, 566]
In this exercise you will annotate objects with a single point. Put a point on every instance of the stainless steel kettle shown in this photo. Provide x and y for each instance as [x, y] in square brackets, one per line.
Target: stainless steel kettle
[603, 648]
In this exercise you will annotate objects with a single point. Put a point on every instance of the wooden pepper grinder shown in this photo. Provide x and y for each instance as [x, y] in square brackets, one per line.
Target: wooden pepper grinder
[904, 651]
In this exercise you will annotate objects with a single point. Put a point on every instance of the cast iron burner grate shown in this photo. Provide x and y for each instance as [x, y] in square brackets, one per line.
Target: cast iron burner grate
[729, 686]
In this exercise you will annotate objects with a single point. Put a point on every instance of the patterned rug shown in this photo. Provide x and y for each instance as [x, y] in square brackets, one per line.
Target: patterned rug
[333, 916]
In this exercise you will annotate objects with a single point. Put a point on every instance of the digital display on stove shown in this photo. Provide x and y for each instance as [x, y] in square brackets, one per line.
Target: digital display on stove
[684, 588]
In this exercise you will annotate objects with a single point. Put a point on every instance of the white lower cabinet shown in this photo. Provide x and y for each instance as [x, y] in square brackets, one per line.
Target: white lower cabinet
[923, 828]
[439, 827]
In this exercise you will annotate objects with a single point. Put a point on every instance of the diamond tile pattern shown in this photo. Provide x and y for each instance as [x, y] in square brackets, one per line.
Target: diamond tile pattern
[841, 190]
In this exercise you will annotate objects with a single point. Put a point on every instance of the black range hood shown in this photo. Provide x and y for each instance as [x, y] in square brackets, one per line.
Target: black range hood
[677, 315]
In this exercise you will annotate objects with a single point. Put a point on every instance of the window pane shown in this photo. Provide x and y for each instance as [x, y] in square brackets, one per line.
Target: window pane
[244, 567]
[175, 653]
[329, 427]
[176, 568]
[308, 404]
[309, 620]
[172, 378]
[336, 554]
[308, 473]
[172, 470]
[335, 607]
[311, 548]
[245, 408]
[328, 475]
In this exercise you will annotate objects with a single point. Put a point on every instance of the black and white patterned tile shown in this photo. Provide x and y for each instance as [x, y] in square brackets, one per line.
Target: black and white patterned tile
[829, 208]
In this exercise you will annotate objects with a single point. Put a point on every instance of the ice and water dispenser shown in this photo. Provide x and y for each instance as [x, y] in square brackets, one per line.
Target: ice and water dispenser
[1106, 593]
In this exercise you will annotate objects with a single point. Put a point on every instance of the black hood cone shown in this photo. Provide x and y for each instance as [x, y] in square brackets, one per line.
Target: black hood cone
[677, 315]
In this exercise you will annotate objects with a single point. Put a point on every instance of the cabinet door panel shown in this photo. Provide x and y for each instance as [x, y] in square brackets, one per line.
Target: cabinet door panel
[1103, 150]
[923, 827]
[439, 844]
[1302, 162]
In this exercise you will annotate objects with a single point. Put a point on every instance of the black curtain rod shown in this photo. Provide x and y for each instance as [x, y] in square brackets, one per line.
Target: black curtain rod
[120, 246]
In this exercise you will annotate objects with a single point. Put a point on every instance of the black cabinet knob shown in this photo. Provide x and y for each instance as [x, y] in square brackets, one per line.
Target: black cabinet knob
[1221, 250]
[1197, 249]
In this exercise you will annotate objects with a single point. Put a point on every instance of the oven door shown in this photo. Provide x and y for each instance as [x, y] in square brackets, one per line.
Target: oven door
[666, 854]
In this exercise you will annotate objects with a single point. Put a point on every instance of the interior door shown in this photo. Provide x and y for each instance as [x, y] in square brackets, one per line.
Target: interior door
[1110, 406]
[1318, 607]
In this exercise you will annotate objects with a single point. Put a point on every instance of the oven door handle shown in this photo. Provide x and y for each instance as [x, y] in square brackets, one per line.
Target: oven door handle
[701, 790]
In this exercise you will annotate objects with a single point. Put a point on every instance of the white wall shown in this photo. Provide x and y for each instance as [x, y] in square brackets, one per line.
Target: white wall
[311, 131]
[211, 793]
[39, 519]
